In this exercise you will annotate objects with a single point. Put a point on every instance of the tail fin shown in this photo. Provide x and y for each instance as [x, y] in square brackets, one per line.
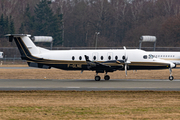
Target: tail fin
[25, 45]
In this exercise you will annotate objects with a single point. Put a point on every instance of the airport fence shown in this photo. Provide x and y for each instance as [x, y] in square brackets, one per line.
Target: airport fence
[11, 55]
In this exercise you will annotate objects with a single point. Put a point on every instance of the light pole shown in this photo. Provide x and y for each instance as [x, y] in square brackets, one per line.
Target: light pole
[97, 33]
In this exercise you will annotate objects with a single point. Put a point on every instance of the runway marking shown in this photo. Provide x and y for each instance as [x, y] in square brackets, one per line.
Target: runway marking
[71, 87]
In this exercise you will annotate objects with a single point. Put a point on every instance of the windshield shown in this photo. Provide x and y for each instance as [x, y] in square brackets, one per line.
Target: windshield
[151, 56]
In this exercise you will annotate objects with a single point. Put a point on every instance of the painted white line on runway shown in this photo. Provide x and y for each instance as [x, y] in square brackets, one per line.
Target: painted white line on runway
[72, 87]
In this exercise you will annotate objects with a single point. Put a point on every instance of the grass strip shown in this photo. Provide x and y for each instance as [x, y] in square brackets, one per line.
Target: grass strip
[89, 105]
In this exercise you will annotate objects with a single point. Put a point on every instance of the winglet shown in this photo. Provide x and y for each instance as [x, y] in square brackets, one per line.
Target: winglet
[87, 58]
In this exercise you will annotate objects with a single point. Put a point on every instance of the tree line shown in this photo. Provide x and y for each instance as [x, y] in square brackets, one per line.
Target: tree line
[74, 23]
[6, 25]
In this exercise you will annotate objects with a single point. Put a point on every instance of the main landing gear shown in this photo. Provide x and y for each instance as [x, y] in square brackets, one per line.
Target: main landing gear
[98, 78]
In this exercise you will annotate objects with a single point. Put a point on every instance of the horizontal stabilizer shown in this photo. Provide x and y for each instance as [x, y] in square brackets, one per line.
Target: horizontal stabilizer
[17, 35]
[11, 36]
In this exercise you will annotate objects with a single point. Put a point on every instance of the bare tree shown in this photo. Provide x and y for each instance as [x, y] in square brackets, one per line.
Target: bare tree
[168, 6]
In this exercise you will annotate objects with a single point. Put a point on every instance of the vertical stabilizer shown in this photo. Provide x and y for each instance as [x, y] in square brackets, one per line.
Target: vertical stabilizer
[30, 45]
[25, 45]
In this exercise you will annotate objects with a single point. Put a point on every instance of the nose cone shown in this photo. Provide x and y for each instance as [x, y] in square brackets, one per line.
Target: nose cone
[171, 65]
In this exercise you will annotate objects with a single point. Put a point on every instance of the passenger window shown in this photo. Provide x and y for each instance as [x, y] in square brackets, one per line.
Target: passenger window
[73, 57]
[116, 57]
[101, 57]
[109, 57]
[94, 57]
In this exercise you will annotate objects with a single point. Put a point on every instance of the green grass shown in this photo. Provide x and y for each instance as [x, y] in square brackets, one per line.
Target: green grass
[135, 105]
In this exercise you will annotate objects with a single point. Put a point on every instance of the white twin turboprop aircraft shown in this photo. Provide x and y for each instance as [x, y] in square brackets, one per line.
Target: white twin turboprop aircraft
[96, 60]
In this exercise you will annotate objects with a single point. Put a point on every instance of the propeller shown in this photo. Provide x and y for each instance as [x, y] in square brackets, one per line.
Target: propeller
[125, 58]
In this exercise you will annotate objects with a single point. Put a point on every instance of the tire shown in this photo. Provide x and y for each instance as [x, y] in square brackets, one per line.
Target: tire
[106, 77]
[97, 78]
[171, 78]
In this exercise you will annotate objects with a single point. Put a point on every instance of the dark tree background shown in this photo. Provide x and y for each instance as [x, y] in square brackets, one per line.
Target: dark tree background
[75, 22]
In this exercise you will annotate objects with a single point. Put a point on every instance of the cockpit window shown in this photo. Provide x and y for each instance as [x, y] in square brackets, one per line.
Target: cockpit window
[145, 56]
[151, 56]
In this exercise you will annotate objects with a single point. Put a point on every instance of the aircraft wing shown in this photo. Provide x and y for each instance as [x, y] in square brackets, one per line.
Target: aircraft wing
[104, 65]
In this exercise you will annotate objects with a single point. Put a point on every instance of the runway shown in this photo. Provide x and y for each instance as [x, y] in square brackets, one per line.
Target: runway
[18, 68]
[89, 85]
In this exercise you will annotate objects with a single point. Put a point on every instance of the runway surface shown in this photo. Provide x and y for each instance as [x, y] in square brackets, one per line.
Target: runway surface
[18, 68]
[89, 85]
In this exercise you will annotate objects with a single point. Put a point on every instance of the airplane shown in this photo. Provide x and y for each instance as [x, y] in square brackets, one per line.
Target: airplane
[1, 54]
[100, 61]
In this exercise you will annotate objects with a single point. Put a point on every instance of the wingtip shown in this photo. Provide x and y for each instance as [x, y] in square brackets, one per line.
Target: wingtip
[7, 35]
[86, 57]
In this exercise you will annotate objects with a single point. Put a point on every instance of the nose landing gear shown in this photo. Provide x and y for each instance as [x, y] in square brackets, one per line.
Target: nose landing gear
[170, 77]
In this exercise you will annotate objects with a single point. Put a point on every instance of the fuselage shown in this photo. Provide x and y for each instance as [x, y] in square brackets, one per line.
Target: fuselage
[75, 59]
[165, 55]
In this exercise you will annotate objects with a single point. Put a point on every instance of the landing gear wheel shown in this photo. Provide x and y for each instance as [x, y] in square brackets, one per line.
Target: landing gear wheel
[97, 78]
[106, 77]
[171, 78]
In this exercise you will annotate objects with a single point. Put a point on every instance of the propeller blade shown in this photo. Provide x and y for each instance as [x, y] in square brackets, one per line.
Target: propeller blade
[125, 57]
[126, 69]
[124, 48]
